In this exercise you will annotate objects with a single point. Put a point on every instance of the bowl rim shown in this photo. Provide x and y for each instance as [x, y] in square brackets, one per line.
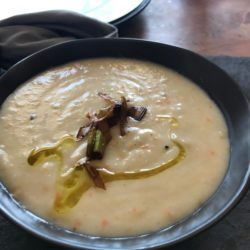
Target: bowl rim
[242, 189]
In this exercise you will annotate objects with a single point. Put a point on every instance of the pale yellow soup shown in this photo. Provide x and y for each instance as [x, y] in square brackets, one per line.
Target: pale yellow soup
[55, 103]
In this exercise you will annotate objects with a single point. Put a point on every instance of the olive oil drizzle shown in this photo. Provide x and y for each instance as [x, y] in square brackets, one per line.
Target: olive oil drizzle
[143, 173]
[38, 155]
[71, 186]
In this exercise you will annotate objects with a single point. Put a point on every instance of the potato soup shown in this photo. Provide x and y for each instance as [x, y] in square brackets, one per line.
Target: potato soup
[161, 170]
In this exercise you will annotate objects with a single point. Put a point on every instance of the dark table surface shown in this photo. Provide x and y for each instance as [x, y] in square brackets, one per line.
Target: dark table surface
[211, 27]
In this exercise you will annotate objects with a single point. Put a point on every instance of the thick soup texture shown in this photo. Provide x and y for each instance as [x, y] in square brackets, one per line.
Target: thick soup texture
[55, 103]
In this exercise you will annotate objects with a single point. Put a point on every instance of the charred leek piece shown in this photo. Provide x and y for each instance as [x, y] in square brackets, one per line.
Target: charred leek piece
[103, 126]
[91, 143]
[95, 175]
[96, 144]
[116, 113]
[98, 129]
[137, 113]
[99, 145]
[123, 119]
[83, 131]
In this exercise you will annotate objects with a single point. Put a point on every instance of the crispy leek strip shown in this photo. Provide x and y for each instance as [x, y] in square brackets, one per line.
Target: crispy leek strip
[123, 116]
[97, 130]
[96, 144]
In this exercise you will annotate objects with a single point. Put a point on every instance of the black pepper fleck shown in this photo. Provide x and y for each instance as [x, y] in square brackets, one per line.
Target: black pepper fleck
[33, 117]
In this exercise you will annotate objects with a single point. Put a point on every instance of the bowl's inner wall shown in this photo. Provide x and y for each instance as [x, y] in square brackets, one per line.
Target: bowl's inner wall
[214, 81]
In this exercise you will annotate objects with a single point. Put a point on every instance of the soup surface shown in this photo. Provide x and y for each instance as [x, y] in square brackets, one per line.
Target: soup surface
[55, 103]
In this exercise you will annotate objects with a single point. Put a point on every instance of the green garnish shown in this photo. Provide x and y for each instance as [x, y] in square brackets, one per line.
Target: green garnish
[96, 144]
[99, 145]
[98, 128]
[91, 143]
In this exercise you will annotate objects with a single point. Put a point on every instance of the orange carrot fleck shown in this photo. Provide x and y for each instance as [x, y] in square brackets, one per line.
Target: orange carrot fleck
[105, 223]
[212, 152]
[134, 209]
[208, 119]
[168, 213]
[77, 224]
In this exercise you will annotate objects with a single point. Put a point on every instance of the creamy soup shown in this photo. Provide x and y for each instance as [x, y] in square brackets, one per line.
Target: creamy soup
[182, 127]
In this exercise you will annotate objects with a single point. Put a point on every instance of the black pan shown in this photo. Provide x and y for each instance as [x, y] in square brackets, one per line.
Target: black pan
[219, 86]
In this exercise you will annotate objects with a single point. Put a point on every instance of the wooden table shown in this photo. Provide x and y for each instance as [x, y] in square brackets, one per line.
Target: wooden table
[210, 27]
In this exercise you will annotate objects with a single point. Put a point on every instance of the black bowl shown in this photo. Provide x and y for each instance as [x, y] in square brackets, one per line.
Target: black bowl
[219, 86]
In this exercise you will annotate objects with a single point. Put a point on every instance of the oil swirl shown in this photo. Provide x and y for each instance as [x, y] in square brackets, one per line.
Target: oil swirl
[71, 186]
